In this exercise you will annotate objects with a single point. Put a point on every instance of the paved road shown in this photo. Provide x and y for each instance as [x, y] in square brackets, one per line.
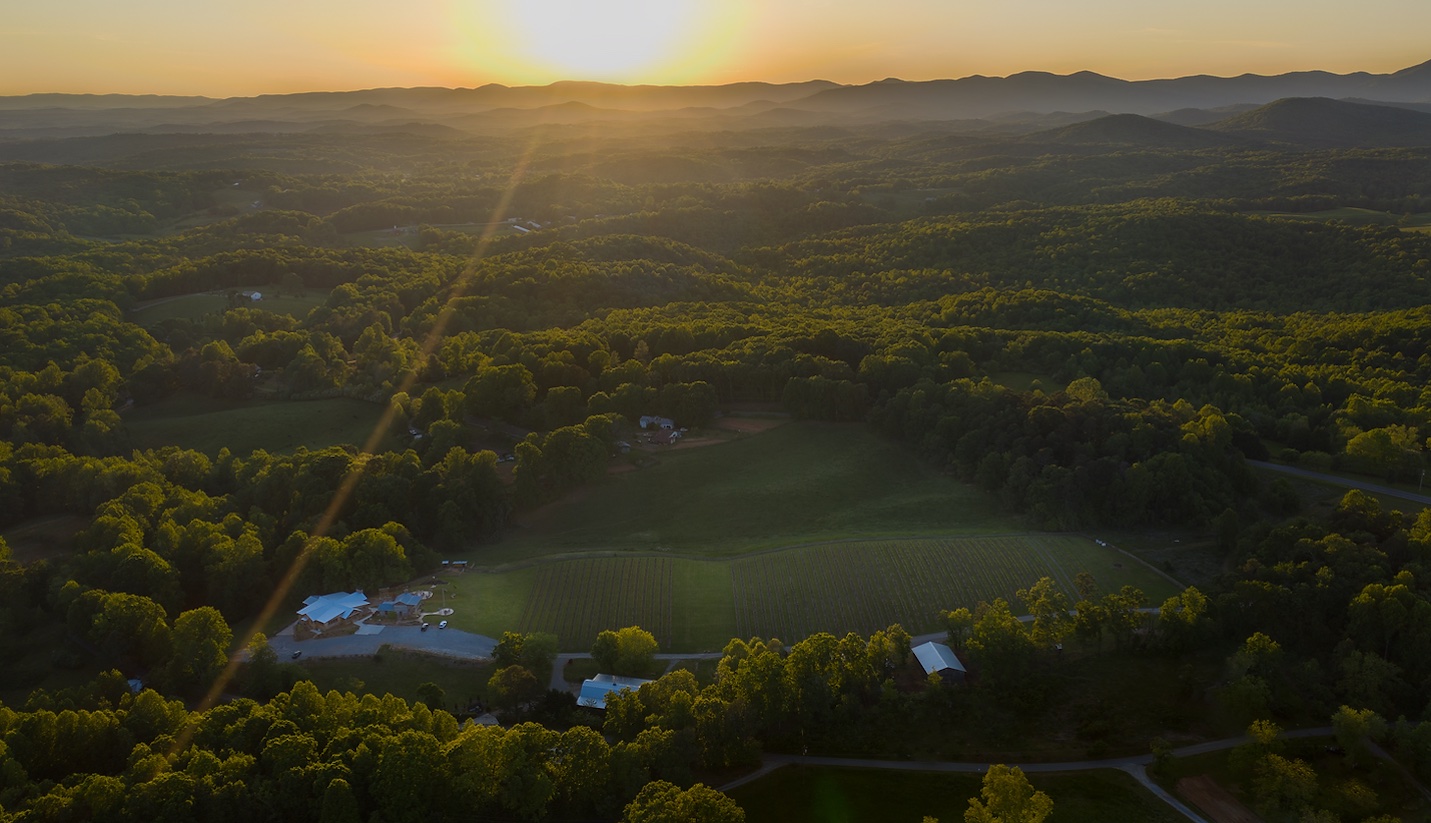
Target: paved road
[1345, 482]
[444, 642]
[1135, 765]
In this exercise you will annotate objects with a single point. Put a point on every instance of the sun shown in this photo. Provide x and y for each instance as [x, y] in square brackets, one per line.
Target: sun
[610, 40]
[603, 39]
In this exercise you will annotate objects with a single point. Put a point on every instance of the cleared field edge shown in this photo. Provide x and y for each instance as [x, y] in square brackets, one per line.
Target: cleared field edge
[698, 604]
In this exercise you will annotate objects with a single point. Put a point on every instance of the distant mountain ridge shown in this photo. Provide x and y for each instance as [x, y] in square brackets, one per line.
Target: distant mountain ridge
[1024, 102]
[1318, 121]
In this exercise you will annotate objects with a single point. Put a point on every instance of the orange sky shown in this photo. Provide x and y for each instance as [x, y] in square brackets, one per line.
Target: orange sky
[229, 48]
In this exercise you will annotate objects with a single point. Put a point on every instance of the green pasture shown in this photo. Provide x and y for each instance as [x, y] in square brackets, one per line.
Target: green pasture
[207, 425]
[796, 794]
[196, 306]
[798, 483]
[400, 673]
[1391, 789]
[693, 604]
[865, 586]
[43, 538]
[1327, 492]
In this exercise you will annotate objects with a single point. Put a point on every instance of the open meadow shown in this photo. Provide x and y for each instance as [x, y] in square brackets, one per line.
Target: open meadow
[800, 529]
[694, 604]
[796, 483]
[208, 425]
[1212, 784]
[796, 794]
[197, 306]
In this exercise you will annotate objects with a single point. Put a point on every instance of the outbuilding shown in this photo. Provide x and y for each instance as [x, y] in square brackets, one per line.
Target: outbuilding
[594, 691]
[937, 658]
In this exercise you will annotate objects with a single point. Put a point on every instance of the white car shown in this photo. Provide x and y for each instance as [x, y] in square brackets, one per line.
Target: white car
[442, 625]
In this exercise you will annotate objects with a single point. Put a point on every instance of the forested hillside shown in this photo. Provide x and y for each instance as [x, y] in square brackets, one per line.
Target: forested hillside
[1098, 327]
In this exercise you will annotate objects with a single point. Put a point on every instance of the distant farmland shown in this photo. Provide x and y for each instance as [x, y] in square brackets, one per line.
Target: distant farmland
[861, 586]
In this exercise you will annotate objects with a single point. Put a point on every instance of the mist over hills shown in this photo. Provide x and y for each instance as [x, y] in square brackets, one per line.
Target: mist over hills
[1318, 121]
[1024, 103]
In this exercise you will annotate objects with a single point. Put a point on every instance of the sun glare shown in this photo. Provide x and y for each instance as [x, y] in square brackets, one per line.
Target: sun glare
[660, 41]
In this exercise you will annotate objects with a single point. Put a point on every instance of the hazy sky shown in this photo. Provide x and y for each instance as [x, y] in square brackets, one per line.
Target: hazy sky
[245, 47]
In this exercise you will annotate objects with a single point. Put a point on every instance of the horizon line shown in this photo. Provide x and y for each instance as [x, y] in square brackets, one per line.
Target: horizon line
[889, 79]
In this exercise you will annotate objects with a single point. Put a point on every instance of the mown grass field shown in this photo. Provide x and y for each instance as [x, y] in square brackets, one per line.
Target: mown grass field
[195, 306]
[804, 528]
[866, 586]
[699, 604]
[207, 425]
[798, 483]
[400, 673]
[797, 794]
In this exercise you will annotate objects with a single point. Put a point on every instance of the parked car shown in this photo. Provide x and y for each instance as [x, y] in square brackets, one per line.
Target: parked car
[297, 655]
[424, 627]
[442, 625]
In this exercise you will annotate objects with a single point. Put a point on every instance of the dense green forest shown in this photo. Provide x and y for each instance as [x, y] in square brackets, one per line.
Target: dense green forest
[510, 313]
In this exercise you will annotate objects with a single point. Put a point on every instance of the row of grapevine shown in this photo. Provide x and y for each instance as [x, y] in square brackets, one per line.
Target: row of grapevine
[577, 599]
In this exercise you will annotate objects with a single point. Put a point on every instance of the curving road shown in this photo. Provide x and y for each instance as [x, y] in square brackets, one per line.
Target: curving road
[1344, 482]
[1136, 765]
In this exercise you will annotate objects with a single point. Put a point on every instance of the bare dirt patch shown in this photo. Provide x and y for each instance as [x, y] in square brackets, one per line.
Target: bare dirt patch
[748, 425]
[695, 442]
[1215, 801]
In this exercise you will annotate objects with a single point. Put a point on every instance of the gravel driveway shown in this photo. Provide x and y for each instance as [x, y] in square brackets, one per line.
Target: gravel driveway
[444, 642]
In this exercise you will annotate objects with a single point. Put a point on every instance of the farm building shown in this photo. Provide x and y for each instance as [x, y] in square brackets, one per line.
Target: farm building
[650, 421]
[326, 610]
[594, 691]
[404, 605]
[937, 658]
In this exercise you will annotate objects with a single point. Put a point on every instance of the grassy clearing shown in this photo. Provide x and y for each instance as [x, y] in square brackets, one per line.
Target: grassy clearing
[796, 794]
[207, 425]
[494, 603]
[699, 605]
[704, 605]
[865, 586]
[29, 663]
[400, 673]
[803, 482]
[1190, 556]
[1320, 497]
[196, 306]
[43, 538]
[1339, 785]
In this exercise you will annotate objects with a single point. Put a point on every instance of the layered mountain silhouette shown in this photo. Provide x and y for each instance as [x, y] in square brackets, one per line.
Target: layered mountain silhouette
[1136, 130]
[1320, 122]
[1226, 107]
